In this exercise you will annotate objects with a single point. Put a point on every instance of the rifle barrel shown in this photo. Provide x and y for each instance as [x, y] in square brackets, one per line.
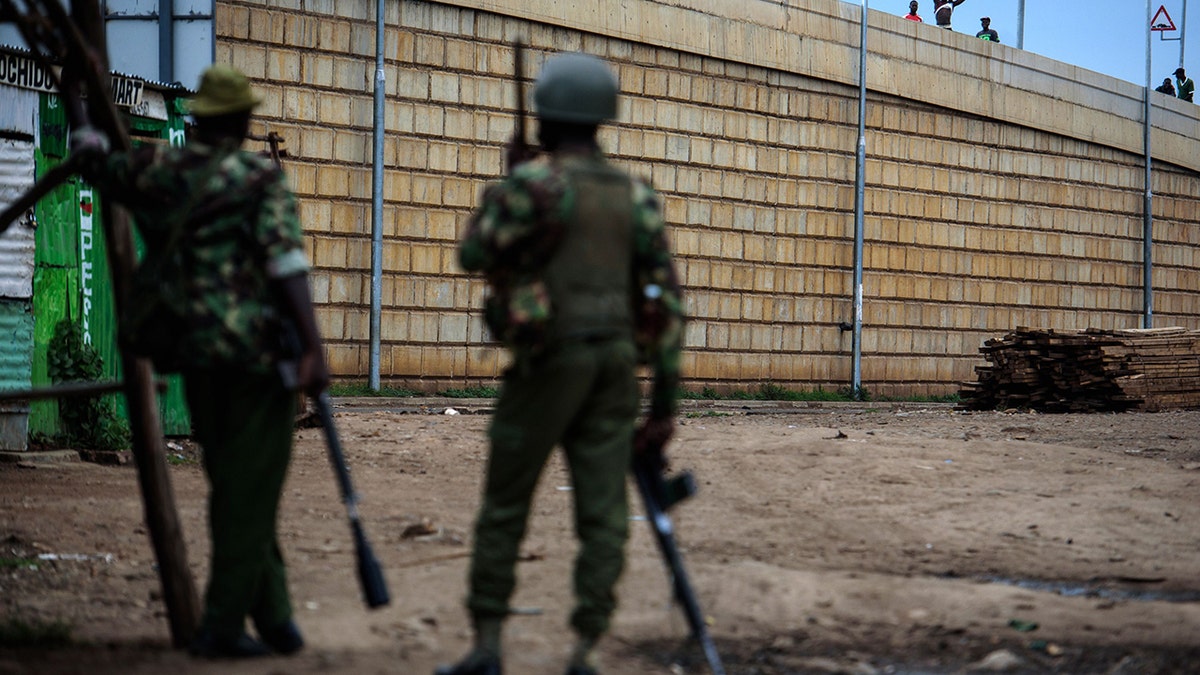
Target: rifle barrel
[518, 74]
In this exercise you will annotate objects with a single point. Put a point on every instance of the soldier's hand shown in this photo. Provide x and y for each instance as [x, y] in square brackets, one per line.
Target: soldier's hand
[652, 436]
[312, 373]
[88, 141]
[516, 152]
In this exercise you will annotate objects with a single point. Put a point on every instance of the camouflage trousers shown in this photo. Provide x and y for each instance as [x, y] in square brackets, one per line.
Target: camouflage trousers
[244, 422]
[584, 396]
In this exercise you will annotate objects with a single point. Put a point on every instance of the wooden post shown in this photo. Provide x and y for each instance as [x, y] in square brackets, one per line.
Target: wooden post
[158, 499]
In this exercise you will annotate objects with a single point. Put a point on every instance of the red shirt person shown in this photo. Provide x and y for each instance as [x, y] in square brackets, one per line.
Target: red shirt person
[912, 12]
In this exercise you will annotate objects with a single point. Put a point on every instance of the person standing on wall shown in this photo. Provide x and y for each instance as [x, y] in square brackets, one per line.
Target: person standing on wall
[223, 239]
[1184, 85]
[943, 10]
[912, 12]
[582, 288]
[987, 33]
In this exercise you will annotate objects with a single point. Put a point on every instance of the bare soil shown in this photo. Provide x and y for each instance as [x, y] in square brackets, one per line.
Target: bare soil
[831, 539]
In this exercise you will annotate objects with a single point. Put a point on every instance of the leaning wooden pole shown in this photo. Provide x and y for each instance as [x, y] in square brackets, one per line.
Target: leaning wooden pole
[158, 499]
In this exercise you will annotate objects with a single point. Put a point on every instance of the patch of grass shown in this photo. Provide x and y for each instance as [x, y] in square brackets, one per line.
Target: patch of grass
[946, 398]
[364, 389]
[774, 392]
[472, 392]
[17, 632]
[176, 459]
[768, 392]
[17, 563]
[707, 413]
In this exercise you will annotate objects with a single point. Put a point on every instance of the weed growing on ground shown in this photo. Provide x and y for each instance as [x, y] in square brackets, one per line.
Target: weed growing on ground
[17, 632]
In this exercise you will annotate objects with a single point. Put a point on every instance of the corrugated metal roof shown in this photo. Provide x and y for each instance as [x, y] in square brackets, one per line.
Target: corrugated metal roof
[165, 87]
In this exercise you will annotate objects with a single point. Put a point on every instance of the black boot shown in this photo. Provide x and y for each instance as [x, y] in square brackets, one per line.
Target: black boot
[283, 638]
[473, 664]
[210, 645]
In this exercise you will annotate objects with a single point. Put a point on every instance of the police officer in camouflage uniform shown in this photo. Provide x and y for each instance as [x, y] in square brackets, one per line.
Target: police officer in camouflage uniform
[581, 288]
[228, 218]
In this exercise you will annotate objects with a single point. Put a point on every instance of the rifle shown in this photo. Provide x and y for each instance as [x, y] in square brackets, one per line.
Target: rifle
[370, 572]
[659, 494]
[518, 73]
[518, 150]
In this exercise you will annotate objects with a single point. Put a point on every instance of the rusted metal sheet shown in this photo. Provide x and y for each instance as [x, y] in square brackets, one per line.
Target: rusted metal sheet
[18, 110]
[18, 119]
[17, 242]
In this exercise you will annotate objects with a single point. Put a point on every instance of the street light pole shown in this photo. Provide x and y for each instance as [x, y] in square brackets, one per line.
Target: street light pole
[377, 184]
[1147, 218]
[859, 205]
[1021, 24]
[1182, 32]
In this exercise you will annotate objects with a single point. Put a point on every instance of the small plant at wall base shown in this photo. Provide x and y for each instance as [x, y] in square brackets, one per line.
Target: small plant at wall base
[767, 392]
[18, 632]
[364, 389]
[472, 392]
[88, 421]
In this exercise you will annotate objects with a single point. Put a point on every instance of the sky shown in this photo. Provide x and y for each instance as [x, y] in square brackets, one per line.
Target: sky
[1107, 36]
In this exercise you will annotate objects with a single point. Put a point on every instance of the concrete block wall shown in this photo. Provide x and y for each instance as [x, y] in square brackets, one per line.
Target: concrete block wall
[1012, 198]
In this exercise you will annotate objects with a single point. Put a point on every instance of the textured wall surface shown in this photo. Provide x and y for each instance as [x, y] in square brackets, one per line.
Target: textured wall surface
[1002, 189]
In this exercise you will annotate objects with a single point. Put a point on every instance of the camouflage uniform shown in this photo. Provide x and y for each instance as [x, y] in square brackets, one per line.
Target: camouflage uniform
[569, 245]
[240, 231]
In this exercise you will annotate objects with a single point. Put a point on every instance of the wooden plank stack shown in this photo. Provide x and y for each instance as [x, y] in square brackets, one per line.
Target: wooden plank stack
[1090, 370]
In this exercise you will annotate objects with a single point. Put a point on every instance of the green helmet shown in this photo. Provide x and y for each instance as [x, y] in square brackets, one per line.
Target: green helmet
[223, 90]
[576, 88]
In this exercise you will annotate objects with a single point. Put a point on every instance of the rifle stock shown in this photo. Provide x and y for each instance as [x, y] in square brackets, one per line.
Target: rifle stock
[659, 494]
[370, 572]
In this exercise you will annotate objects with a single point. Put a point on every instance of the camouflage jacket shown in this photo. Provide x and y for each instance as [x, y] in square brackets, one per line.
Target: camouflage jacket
[240, 229]
[514, 231]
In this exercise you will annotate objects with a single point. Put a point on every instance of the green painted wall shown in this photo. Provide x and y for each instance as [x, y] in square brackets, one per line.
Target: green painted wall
[72, 273]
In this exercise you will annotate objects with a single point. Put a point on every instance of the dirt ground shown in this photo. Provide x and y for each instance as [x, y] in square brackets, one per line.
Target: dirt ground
[832, 539]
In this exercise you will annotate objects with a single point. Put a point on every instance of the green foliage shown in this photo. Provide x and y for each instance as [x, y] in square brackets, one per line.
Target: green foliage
[768, 392]
[364, 389]
[17, 632]
[472, 392]
[88, 421]
[17, 563]
[946, 398]
[852, 394]
[765, 392]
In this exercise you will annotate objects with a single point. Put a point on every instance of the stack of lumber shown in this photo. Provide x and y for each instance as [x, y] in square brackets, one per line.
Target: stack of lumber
[1088, 371]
